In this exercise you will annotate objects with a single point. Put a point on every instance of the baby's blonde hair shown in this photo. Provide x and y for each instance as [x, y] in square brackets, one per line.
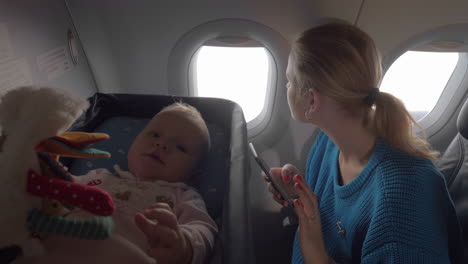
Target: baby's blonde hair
[186, 109]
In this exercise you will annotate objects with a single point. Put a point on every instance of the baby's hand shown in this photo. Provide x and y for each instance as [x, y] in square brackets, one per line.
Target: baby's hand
[167, 242]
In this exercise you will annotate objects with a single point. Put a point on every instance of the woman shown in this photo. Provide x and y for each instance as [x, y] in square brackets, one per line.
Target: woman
[371, 192]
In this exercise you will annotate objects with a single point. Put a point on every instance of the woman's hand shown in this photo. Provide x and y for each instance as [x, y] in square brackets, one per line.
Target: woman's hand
[168, 245]
[284, 175]
[309, 230]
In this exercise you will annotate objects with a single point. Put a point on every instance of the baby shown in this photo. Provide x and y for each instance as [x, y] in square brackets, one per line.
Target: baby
[158, 217]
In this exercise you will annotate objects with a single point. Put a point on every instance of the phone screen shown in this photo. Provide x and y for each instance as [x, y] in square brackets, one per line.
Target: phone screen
[276, 184]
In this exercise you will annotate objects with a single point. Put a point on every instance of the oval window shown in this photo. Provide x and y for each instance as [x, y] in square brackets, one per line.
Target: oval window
[418, 78]
[238, 72]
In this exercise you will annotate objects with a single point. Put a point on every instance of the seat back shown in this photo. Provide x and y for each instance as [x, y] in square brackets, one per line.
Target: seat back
[454, 165]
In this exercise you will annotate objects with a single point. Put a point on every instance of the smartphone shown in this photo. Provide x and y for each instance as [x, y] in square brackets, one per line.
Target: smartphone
[276, 184]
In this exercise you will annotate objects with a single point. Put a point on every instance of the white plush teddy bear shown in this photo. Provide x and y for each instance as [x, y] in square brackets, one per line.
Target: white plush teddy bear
[28, 115]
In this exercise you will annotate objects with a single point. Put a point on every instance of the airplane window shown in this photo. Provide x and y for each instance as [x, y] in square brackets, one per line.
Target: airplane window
[418, 79]
[239, 74]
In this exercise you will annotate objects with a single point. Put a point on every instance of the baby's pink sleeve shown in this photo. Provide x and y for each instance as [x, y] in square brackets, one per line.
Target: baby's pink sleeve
[196, 223]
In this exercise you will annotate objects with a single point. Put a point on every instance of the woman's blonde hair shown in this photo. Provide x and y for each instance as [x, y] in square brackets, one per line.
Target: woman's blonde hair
[342, 62]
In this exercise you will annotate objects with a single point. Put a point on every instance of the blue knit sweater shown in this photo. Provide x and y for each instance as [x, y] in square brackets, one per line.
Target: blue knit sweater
[397, 210]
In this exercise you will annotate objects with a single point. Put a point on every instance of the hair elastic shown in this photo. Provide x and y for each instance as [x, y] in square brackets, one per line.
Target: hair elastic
[371, 97]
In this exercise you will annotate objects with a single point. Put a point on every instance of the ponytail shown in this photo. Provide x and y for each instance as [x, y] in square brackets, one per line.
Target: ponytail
[393, 123]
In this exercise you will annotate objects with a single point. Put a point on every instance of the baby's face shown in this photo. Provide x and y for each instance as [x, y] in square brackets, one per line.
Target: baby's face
[169, 148]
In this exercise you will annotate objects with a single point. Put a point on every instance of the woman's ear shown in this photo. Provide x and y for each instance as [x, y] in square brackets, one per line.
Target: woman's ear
[312, 103]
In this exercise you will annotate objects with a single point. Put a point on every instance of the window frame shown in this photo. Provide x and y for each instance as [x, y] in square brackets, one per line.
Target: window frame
[271, 81]
[449, 100]
[443, 107]
[454, 93]
[181, 63]
[447, 91]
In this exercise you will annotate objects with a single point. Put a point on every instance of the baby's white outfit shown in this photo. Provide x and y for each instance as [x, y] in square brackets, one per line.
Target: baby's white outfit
[127, 242]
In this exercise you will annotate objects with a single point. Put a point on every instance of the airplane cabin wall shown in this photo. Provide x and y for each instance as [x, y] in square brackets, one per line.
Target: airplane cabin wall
[138, 36]
[391, 23]
[94, 37]
[34, 48]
